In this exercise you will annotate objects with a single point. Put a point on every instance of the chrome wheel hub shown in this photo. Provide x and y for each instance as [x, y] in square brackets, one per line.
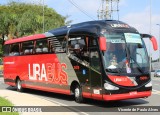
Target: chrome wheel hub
[77, 92]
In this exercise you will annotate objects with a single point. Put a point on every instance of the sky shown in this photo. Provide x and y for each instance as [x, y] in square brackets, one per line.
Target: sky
[134, 12]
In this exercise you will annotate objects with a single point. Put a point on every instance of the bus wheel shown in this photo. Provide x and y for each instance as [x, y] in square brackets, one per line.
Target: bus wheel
[78, 94]
[19, 85]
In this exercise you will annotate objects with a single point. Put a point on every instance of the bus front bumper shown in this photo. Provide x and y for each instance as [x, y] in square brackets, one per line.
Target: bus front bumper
[125, 96]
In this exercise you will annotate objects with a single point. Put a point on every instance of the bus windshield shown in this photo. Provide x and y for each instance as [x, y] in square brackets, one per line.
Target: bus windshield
[126, 53]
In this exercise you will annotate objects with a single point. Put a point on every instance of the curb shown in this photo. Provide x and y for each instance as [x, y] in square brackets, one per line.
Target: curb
[24, 99]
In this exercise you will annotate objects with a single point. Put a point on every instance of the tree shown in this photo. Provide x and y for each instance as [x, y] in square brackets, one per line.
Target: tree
[21, 19]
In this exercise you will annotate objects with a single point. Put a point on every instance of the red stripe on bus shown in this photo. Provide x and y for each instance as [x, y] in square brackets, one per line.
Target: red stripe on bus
[86, 95]
[126, 96]
[97, 96]
[92, 96]
[117, 96]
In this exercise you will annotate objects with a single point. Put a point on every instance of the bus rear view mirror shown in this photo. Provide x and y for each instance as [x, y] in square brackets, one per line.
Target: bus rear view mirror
[153, 40]
[103, 44]
[154, 43]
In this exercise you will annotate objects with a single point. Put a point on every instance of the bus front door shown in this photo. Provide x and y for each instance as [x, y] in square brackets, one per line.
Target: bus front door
[95, 74]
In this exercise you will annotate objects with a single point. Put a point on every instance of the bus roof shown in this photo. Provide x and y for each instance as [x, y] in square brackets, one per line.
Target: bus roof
[108, 24]
[26, 38]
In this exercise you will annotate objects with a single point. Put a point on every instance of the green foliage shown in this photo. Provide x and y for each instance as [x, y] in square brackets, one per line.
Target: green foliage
[5, 102]
[19, 19]
[1, 47]
[22, 19]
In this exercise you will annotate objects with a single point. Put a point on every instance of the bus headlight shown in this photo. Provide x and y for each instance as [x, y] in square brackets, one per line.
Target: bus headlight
[149, 84]
[108, 86]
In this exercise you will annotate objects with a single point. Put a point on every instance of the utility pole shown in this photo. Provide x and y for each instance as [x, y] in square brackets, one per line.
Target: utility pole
[107, 13]
[43, 18]
[108, 7]
[150, 30]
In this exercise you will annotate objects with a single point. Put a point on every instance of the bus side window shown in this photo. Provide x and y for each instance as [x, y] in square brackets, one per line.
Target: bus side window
[86, 49]
[94, 55]
[14, 51]
[42, 46]
[51, 45]
[58, 44]
[78, 46]
[27, 48]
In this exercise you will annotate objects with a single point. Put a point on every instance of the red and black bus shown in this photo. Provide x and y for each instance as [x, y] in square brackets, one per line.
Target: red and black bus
[103, 60]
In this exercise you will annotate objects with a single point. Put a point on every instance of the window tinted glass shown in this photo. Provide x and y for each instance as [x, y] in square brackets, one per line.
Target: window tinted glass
[6, 50]
[58, 44]
[14, 50]
[42, 46]
[27, 48]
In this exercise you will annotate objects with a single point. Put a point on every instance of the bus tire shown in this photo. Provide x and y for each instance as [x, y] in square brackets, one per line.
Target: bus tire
[19, 85]
[78, 94]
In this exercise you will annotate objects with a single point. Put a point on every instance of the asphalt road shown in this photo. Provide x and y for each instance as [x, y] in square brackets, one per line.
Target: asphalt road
[97, 106]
